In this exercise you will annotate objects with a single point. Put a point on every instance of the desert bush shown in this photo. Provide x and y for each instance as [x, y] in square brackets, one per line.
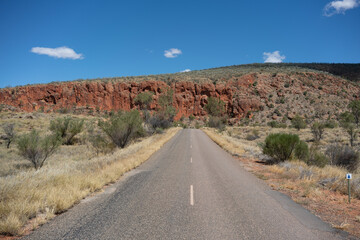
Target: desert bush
[101, 144]
[302, 151]
[167, 110]
[343, 156]
[215, 107]
[158, 121]
[191, 117]
[275, 124]
[123, 127]
[346, 118]
[280, 146]
[36, 148]
[216, 122]
[317, 130]
[317, 158]
[331, 124]
[9, 134]
[67, 128]
[298, 122]
[144, 99]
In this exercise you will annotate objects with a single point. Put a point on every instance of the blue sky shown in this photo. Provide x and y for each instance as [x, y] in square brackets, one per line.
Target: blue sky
[44, 41]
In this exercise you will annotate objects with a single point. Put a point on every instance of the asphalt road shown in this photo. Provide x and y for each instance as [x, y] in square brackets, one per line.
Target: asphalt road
[190, 189]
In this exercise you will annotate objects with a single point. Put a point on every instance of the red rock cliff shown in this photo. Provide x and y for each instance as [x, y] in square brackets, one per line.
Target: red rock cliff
[189, 98]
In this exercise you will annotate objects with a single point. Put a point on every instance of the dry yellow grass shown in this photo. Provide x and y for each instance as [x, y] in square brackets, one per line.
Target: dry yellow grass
[296, 171]
[62, 182]
[226, 142]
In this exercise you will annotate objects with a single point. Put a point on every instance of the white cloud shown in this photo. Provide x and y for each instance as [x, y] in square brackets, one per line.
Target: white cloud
[336, 7]
[186, 70]
[60, 52]
[172, 53]
[273, 57]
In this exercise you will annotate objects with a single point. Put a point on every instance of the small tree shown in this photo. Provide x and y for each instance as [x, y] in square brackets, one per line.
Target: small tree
[351, 130]
[167, 110]
[37, 149]
[317, 130]
[144, 100]
[346, 118]
[215, 107]
[122, 127]
[67, 128]
[298, 122]
[355, 110]
[9, 134]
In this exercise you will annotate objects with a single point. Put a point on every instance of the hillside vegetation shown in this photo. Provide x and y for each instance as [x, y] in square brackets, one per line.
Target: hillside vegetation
[345, 70]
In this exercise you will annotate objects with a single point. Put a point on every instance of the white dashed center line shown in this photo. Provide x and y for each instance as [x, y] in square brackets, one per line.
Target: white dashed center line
[191, 195]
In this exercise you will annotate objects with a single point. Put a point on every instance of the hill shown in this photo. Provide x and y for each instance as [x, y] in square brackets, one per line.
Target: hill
[258, 91]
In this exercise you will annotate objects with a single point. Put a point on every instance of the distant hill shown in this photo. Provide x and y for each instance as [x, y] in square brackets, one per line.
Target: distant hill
[348, 71]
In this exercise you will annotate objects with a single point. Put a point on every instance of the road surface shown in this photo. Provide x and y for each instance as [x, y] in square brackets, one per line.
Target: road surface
[190, 189]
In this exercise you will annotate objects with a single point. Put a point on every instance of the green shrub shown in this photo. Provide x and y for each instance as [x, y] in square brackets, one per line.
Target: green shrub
[192, 117]
[37, 149]
[275, 124]
[346, 118]
[101, 144]
[298, 122]
[302, 151]
[167, 110]
[158, 121]
[316, 158]
[331, 124]
[67, 128]
[215, 107]
[280, 146]
[144, 99]
[123, 127]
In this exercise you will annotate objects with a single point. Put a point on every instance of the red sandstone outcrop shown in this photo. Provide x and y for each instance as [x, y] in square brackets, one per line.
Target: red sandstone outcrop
[242, 95]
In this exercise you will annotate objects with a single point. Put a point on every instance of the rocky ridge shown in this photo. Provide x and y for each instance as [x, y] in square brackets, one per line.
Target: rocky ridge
[254, 95]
